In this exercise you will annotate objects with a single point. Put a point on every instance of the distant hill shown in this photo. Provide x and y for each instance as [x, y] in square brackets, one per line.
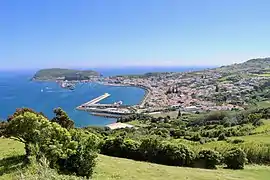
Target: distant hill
[68, 74]
[257, 65]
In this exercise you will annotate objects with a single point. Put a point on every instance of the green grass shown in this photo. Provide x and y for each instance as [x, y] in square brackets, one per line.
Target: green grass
[117, 168]
[110, 168]
[263, 75]
[138, 123]
[263, 104]
[10, 148]
[258, 138]
[12, 151]
[265, 128]
[172, 114]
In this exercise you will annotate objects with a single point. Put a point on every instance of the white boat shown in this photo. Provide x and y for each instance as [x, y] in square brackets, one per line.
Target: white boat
[67, 85]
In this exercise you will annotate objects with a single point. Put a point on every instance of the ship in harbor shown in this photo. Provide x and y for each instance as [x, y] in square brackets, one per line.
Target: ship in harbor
[67, 85]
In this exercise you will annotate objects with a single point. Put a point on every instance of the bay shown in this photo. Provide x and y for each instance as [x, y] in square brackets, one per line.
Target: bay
[17, 91]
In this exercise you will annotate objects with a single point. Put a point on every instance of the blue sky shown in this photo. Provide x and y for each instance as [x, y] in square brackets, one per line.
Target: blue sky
[99, 33]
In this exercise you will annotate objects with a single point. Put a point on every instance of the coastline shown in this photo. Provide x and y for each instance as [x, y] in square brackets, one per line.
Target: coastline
[142, 102]
[147, 90]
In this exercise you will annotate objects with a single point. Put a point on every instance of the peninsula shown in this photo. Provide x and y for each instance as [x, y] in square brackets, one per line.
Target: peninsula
[64, 74]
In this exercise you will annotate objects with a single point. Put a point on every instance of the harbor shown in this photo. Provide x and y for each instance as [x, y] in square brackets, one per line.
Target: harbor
[114, 110]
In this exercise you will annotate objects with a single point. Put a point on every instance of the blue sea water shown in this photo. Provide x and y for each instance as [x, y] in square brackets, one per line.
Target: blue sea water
[16, 90]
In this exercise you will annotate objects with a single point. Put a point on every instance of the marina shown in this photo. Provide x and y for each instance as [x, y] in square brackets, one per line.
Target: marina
[67, 85]
[115, 110]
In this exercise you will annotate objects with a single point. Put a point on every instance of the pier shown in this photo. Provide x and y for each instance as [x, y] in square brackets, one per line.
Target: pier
[96, 100]
[114, 110]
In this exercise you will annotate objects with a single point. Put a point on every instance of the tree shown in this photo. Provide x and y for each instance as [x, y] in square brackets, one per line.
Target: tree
[21, 111]
[3, 126]
[217, 88]
[179, 114]
[40, 136]
[25, 125]
[62, 118]
[43, 138]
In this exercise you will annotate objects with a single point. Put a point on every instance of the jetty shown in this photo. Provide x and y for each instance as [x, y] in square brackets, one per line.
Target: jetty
[114, 110]
[96, 100]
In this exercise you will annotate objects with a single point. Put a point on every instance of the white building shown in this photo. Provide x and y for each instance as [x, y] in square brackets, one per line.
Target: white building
[191, 108]
[118, 126]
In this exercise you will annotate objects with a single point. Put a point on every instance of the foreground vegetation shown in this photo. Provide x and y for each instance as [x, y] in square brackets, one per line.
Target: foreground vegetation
[215, 140]
[117, 168]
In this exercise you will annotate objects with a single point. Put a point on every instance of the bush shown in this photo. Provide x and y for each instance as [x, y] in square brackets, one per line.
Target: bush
[112, 147]
[196, 137]
[121, 147]
[150, 148]
[130, 149]
[70, 151]
[237, 141]
[42, 171]
[176, 154]
[222, 137]
[209, 158]
[84, 160]
[235, 158]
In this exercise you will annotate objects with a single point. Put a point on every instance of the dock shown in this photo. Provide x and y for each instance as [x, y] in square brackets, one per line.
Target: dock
[114, 110]
[96, 100]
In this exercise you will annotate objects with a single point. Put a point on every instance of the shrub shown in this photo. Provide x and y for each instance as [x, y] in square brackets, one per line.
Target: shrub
[112, 147]
[235, 158]
[237, 141]
[256, 152]
[71, 151]
[130, 149]
[196, 137]
[84, 160]
[209, 158]
[222, 137]
[150, 148]
[121, 147]
[42, 171]
[176, 154]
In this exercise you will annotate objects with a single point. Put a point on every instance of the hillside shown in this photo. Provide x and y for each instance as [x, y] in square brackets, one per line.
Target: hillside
[250, 66]
[121, 169]
[228, 127]
[69, 74]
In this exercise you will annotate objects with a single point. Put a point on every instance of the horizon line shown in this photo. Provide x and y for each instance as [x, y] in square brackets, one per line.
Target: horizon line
[111, 67]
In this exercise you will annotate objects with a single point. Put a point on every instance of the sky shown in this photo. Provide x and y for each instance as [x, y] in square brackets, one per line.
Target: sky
[120, 33]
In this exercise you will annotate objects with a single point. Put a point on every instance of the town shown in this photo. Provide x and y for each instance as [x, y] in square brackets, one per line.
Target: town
[224, 88]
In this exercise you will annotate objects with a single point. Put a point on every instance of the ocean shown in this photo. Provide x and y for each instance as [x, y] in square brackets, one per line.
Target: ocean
[16, 90]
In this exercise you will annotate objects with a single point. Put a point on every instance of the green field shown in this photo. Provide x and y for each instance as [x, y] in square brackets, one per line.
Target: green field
[263, 104]
[121, 169]
[264, 75]
[172, 114]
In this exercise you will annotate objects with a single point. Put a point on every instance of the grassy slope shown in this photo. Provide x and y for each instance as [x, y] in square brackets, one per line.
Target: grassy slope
[117, 168]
